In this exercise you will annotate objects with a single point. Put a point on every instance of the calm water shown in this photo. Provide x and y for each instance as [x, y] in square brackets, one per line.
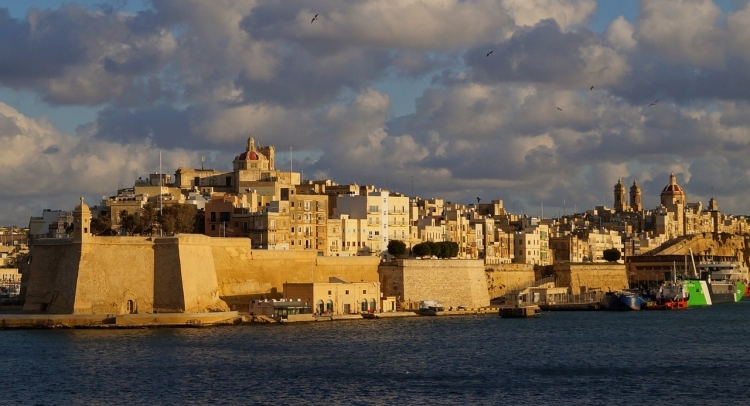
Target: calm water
[694, 356]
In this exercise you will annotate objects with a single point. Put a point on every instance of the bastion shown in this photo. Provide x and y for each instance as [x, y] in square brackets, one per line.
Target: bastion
[454, 282]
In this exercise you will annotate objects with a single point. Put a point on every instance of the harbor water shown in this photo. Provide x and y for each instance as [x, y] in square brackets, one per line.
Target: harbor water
[692, 356]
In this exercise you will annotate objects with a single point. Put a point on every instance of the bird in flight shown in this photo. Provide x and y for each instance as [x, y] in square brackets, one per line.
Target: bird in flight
[559, 109]
[654, 103]
[488, 53]
[314, 18]
[592, 88]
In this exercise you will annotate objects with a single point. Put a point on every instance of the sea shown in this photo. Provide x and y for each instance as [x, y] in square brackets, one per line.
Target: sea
[697, 356]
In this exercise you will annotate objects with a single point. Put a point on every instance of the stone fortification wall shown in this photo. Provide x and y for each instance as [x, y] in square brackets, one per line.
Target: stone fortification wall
[53, 276]
[104, 274]
[200, 290]
[502, 278]
[591, 276]
[453, 282]
[113, 270]
[244, 274]
[722, 244]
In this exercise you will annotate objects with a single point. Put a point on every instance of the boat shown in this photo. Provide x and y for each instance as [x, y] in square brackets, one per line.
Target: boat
[622, 300]
[724, 281]
[670, 295]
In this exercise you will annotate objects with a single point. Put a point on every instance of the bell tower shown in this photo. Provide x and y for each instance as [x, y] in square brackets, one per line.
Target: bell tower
[620, 204]
[635, 197]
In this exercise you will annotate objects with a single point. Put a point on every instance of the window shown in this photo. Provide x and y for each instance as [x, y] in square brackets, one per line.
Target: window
[346, 292]
[364, 292]
[329, 292]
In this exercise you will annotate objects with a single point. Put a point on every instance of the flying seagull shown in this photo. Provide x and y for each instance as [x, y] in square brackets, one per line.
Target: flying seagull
[559, 109]
[654, 103]
[592, 88]
[488, 53]
[314, 18]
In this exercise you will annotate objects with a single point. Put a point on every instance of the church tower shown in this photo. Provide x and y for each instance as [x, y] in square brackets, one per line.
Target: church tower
[635, 197]
[620, 204]
[673, 198]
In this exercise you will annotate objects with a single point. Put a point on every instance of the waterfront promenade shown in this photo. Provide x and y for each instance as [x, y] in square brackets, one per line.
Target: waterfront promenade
[18, 320]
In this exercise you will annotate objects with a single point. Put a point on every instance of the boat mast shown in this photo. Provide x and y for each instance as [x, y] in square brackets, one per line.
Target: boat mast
[695, 271]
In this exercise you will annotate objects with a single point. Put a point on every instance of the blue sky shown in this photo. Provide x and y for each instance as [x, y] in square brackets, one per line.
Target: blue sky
[380, 92]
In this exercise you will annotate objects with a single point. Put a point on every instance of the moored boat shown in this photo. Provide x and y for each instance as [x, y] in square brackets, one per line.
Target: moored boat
[670, 295]
[622, 300]
[717, 282]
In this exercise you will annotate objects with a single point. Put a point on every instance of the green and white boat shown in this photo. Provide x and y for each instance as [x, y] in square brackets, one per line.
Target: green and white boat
[716, 282]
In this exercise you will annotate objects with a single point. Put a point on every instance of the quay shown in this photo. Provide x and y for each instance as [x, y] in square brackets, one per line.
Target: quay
[60, 321]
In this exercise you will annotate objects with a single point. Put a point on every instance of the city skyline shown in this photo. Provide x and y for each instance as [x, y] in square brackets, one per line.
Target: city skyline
[380, 93]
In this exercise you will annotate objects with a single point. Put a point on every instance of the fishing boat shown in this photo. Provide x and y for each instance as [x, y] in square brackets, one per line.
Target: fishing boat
[670, 295]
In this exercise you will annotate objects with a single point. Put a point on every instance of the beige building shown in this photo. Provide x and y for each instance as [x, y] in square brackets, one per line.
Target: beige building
[337, 296]
[387, 216]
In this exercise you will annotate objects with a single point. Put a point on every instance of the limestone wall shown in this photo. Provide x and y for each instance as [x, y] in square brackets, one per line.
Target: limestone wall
[103, 274]
[591, 276]
[200, 289]
[453, 282]
[53, 276]
[244, 274]
[502, 278]
[111, 272]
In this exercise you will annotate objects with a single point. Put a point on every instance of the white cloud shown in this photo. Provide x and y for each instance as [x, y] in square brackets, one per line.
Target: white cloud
[619, 34]
[684, 31]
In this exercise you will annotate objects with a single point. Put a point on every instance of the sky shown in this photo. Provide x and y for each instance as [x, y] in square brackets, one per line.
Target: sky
[575, 95]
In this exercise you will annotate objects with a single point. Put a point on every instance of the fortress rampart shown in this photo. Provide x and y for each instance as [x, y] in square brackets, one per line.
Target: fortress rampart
[453, 282]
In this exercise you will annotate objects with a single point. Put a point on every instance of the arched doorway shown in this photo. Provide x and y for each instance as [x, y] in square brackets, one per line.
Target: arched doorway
[364, 305]
[130, 307]
[320, 307]
[329, 306]
[372, 305]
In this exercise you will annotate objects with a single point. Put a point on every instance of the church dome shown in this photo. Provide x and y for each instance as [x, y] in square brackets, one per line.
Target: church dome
[248, 156]
[672, 188]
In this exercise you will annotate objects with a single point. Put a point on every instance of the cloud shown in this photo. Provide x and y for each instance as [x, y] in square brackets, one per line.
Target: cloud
[75, 56]
[546, 54]
[192, 78]
[682, 31]
[46, 166]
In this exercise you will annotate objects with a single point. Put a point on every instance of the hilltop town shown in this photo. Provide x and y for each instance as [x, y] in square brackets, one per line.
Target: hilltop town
[277, 210]
[207, 241]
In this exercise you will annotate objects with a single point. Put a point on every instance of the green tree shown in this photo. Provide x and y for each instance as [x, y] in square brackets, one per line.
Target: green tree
[451, 249]
[129, 223]
[611, 254]
[101, 226]
[397, 248]
[148, 219]
[178, 218]
[421, 250]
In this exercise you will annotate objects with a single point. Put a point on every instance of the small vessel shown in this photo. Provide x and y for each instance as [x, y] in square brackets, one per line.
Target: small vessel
[622, 300]
[671, 295]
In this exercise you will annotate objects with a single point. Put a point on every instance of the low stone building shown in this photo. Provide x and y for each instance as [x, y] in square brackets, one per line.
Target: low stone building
[337, 296]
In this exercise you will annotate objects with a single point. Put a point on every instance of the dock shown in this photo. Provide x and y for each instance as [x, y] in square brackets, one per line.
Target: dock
[520, 311]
